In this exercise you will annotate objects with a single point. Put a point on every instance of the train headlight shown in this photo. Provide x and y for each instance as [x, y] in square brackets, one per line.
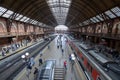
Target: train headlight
[73, 56]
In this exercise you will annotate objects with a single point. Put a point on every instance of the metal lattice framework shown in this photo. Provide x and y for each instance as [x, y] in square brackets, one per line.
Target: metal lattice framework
[53, 12]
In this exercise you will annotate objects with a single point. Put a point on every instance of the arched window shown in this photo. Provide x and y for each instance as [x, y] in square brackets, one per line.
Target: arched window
[13, 28]
[3, 29]
[104, 29]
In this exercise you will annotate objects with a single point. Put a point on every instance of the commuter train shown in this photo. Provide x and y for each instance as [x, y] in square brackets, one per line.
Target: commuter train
[96, 66]
[46, 71]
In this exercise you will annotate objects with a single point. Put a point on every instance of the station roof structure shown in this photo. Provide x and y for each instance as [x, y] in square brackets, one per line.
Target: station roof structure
[51, 13]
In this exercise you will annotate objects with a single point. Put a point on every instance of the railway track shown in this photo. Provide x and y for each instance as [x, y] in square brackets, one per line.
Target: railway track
[10, 69]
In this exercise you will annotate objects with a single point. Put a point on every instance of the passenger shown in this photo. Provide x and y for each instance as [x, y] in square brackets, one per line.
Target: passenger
[62, 51]
[48, 46]
[32, 62]
[58, 46]
[29, 67]
[7, 50]
[3, 52]
[40, 61]
[35, 73]
[70, 57]
[65, 65]
[41, 54]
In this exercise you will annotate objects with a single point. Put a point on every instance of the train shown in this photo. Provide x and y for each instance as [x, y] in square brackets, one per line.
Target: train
[93, 63]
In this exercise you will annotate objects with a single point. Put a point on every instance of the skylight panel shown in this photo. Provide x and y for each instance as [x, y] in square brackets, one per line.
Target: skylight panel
[92, 20]
[2, 10]
[80, 24]
[110, 14]
[116, 10]
[8, 14]
[86, 22]
[35, 22]
[26, 19]
[32, 21]
[99, 17]
[23, 18]
[19, 16]
[60, 9]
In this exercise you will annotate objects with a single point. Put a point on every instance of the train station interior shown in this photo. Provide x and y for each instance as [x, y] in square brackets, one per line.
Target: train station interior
[59, 39]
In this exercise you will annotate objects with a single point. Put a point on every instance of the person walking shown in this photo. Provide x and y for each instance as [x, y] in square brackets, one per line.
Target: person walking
[65, 65]
[35, 73]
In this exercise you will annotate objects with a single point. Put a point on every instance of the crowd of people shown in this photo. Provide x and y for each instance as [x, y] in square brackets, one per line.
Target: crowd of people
[40, 60]
[12, 47]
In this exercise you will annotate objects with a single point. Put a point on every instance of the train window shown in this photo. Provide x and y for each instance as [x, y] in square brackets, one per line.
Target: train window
[98, 78]
[88, 65]
[82, 58]
[91, 69]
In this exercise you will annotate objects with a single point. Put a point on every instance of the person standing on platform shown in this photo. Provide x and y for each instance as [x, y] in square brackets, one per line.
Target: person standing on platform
[29, 68]
[58, 46]
[70, 58]
[32, 62]
[40, 61]
[48, 46]
[62, 51]
[41, 54]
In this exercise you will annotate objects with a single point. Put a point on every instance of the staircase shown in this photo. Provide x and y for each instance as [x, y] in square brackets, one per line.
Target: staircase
[59, 74]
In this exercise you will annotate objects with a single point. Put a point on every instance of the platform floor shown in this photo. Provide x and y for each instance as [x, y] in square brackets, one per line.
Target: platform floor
[52, 53]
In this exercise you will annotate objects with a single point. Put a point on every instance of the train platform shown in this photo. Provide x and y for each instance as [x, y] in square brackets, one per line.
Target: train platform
[6, 60]
[54, 53]
[17, 50]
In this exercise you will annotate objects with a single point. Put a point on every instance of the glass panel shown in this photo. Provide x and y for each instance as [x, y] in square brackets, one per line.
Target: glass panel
[86, 22]
[96, 20]
[23, 18]
[19, 16]
[99, 17]
[32, 21]
[92, 20]
[26, 19]
[2, 10]
[35, 22]
[110, 14]
[116, 10]
[8, 14]
[59, 9]
[80, 24]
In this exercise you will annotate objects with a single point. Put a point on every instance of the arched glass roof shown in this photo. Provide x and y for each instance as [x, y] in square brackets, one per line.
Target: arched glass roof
[61, 27]
[59, 9]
